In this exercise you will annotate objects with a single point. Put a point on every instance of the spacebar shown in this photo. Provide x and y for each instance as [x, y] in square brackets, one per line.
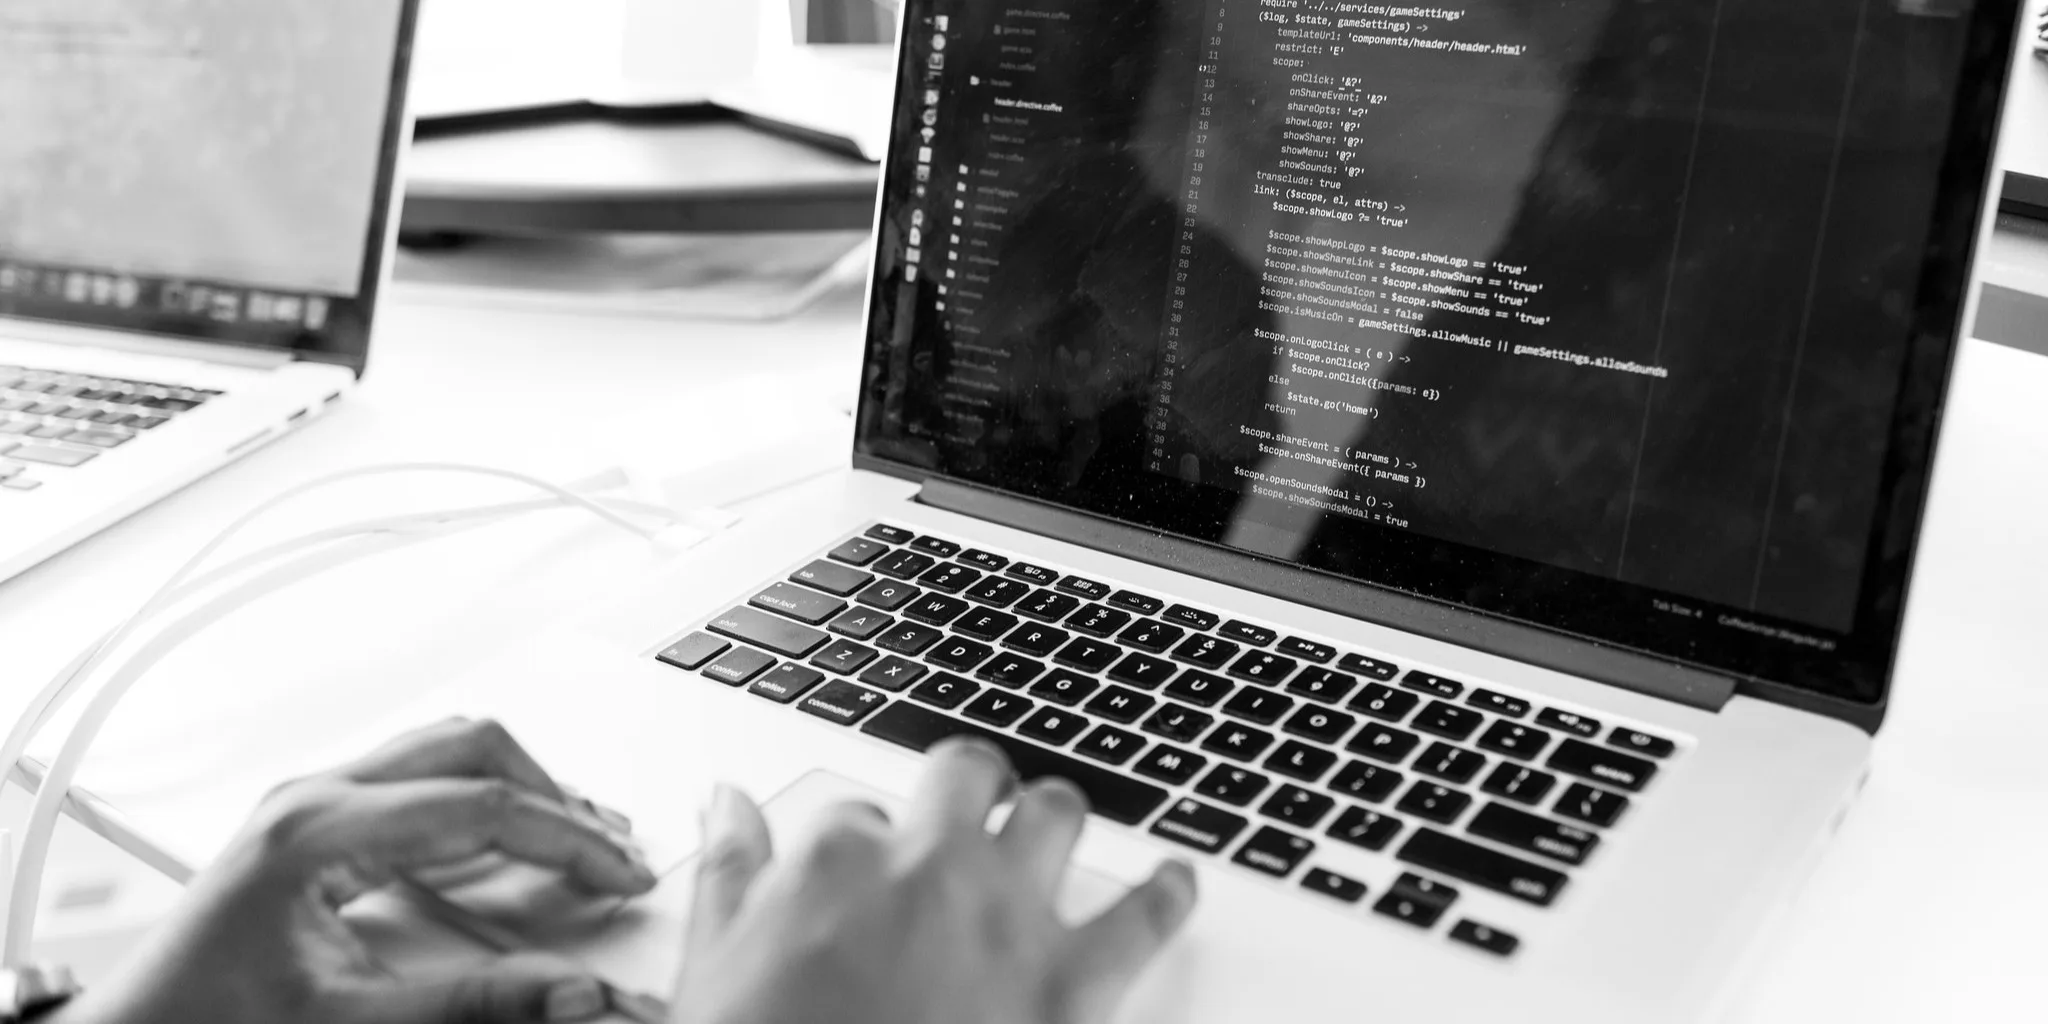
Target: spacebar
[1113, 796]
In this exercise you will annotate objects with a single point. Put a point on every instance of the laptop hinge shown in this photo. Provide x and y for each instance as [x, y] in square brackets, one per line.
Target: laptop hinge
[1572, 655]
[146, 344]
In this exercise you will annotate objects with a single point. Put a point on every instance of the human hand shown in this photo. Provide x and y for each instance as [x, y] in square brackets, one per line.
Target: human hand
[259, 938]
[932, 921]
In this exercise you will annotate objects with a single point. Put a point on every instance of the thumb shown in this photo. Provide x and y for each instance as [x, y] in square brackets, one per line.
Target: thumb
[515, 990]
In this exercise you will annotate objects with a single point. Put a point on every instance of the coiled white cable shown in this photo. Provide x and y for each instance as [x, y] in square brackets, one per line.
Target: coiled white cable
[373, 536]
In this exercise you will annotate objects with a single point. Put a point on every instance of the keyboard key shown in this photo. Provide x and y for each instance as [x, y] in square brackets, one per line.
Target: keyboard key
[1320, 724]
[1142, 671]
[1383, 743]
[949, 577]
[1592, 806]
[1119, 704]
[65, 457]
[959, 654]
[1196, 824]
[1416, 679]
[1369, 782]
[1524, 831]
[1333, 885]
[1233, 786]
[1036, 639]
[1640, 742]
[1454, 764]
[1110, 744]
[1177, 723]
[893, 674]
[985, 624]
[1192, 618]
[1298, 760]
[1087, 654]
[1131, 600]
[1384, 703]
[844, 657]
[1169, 764]
[858, 551]
[935, 609]
[1084, 587]
[691, 652]
[1053, 726]
[888, 595]
[1519, 782]
[945, 690]
[983, 560]
[904, 565]
[739, 666]
[1321, 684]
[1241, 742]
[1029, 573]
[1262, 667]
[908, 638]
[1096, 620]
[997, 708]
[99, 438]
[1111, 795]
[1514, 740]
[1623, 771]
[935, 546]
[1368, 829]
[1206, 651]
[859, 623]
[800, 603]
[1260, 706]
[1371, 667]
[1499, 703]
[1416, 900]
[1064, 687]
[1448, 720]
[1437, 803]
[1468, 861]
[1246, 633]
[750, 625]
[1306, 650]
[1299, 807]
[1011, 671]
[997, 592]
[1151, 635]
[1200, 688]
[1046, 606]
[786, 682]
[832, 578]
[1568, 721]
[1485, 937]
[841, 702]
[1274, 852]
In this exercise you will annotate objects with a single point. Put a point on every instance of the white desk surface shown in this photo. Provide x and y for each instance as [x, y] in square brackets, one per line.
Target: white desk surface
[1932, 905]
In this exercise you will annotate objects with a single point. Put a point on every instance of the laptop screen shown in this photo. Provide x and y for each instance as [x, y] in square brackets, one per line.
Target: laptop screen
[207, 169]
[1625, 318]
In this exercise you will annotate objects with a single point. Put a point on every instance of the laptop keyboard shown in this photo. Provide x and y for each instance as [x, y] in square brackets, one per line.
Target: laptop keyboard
[52, 421]
[1218, 734]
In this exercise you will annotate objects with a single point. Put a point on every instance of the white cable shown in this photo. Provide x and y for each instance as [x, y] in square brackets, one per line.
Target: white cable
[51, 700]
[50, 796]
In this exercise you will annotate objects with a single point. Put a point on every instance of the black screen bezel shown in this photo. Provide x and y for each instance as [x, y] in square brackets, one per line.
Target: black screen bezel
[345, 337]
[1851, 682]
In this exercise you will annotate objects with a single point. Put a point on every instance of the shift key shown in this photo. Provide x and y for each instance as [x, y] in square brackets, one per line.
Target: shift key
[800, 603]
[761, 629]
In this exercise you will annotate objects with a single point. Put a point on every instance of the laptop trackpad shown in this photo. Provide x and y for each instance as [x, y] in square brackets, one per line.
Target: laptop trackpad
[637, 944]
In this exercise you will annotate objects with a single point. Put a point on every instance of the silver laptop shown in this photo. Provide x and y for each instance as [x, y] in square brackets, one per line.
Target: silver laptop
[195, 208]
[1453, 473]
